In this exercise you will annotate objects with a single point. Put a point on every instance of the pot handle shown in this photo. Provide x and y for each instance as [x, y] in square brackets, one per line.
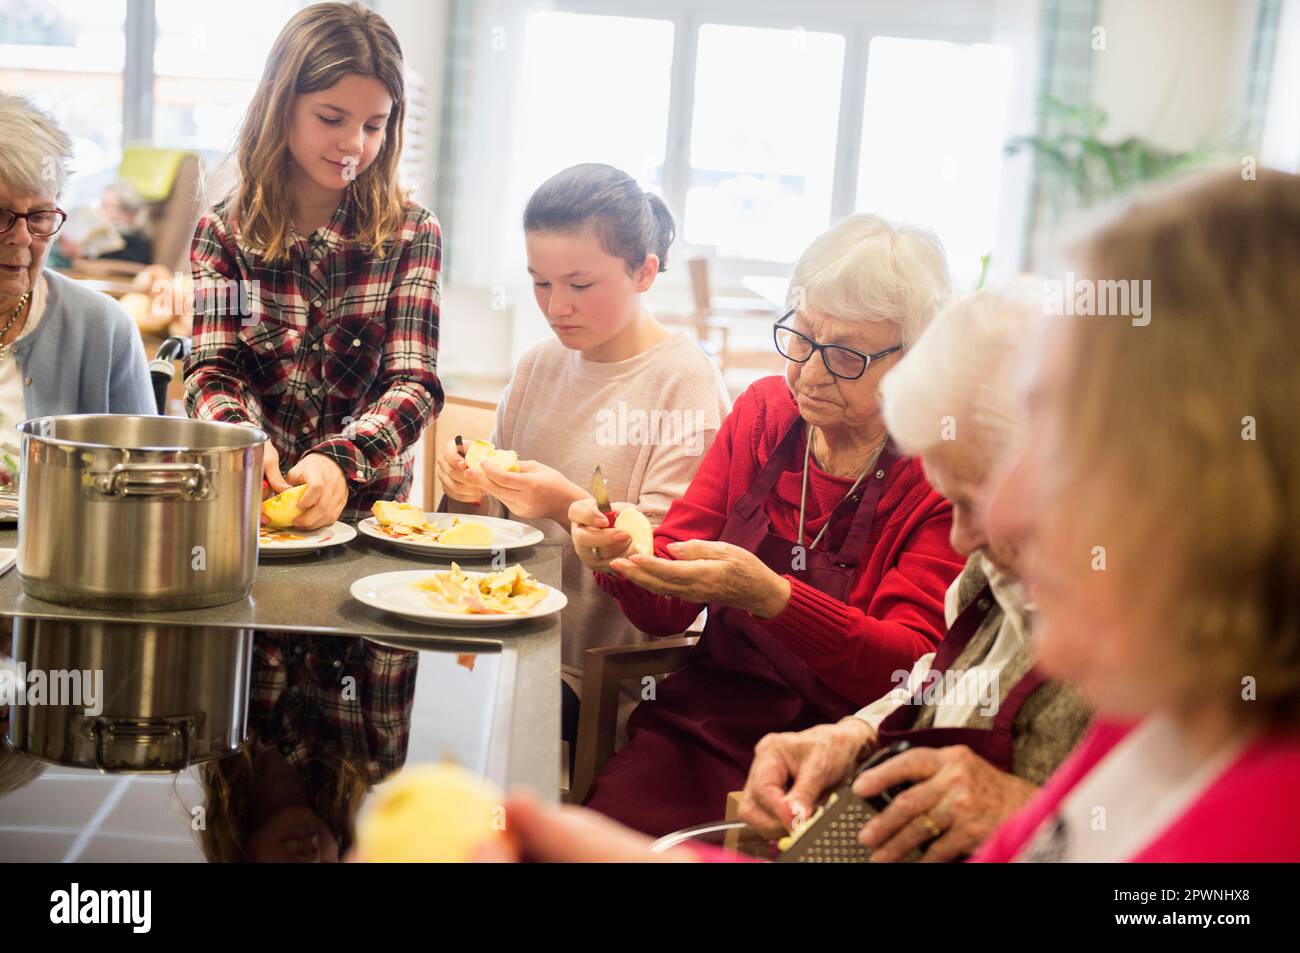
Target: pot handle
[174, 732]
[185, 480]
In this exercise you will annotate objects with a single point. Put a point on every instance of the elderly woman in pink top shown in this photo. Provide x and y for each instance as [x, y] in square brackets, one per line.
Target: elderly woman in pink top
[1159, 491]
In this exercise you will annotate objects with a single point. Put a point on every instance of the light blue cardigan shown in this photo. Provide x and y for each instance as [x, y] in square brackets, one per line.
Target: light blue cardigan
[85, 356]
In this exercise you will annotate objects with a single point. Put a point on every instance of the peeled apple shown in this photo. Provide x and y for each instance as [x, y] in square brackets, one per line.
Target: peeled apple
[430, 813]
[466, 534]
[282, 509]
[481, 450]
[633, 522]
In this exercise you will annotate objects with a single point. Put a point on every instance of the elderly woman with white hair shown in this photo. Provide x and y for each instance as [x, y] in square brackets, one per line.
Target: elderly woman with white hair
[985, 728]
[820, 551]
[64, 349]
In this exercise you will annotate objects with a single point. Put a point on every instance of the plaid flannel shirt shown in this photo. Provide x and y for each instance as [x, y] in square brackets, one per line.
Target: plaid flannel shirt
[332, 351]
[302, 701]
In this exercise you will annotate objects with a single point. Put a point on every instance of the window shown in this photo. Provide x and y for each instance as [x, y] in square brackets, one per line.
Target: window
[206, 68]
[763, 134]
[760, 126]
[594, 89]
[67, 56]
[932, 138]
[71, 57]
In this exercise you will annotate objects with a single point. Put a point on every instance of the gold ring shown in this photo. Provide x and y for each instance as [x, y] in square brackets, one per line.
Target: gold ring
[930, 826]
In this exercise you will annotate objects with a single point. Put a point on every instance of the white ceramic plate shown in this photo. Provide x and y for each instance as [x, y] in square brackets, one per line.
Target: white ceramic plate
[335, 535]
[394, 592]
[506, 535]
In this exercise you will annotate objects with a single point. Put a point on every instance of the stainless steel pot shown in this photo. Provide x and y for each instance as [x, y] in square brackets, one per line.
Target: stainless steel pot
[138, 513]
[171, 696]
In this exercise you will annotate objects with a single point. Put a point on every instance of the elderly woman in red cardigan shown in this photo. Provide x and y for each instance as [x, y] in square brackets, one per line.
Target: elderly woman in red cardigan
[820, 553]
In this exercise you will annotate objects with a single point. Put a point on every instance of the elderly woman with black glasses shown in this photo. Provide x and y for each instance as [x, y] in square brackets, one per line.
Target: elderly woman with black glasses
[64, 349]
[820, 553]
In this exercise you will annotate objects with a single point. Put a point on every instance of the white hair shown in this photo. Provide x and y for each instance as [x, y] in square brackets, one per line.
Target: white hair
[865, 269]
[959, 381]
[35, 154]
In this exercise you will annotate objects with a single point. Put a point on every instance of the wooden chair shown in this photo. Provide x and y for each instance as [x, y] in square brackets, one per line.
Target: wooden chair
[604, 671]
[460, 415]
[172, 219]
[706, 302]
[743, 323]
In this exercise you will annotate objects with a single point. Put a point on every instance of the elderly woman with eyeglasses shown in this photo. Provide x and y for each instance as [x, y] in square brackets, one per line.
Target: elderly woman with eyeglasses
[820, 552]
[64, 349]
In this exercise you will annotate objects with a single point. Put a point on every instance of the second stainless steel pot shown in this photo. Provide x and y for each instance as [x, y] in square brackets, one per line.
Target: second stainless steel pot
[138, 513]
[168, 696]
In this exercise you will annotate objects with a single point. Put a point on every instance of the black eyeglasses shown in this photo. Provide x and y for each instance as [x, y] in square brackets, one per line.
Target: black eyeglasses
[841, 361]
[42, 223]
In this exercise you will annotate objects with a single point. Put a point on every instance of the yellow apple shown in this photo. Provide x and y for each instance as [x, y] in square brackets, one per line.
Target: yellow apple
[282, 509]
[389, 513]
[481, 450]
[633, 522]
[430, 812]
[466, 534]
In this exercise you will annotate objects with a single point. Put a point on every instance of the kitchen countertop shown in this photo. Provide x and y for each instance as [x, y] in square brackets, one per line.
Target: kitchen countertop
[498, 715]
[310, 594]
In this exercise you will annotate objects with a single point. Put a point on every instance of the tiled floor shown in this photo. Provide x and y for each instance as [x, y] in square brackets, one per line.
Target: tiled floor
[73, 814]
[76, 815]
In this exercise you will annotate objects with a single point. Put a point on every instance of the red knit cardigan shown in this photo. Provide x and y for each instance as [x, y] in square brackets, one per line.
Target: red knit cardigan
[1247, 814]
[894, 612]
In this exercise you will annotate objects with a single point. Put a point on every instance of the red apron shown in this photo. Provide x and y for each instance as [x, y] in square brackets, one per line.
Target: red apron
[993, 744]
[694, 742]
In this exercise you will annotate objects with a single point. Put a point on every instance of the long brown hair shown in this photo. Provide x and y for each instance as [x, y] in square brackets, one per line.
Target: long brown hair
[229, 802]
[318, 47]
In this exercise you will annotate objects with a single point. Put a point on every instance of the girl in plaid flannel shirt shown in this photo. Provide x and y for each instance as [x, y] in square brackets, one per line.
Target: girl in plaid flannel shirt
[316, 279]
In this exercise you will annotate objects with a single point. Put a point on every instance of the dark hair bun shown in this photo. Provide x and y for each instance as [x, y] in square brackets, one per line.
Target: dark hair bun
[630, 222]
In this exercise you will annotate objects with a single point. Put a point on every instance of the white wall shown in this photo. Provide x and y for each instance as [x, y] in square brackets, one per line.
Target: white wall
[1173, 71]
[1281, 147]
[421, 28]
[469, 324]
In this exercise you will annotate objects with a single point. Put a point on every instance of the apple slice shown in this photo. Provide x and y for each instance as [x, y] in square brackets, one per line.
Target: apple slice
[393, 514]
[466, 534]
[633, 522]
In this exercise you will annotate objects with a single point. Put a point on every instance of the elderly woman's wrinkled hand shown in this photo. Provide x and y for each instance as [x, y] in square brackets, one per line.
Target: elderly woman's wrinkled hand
[792, 770]
[594, 538]
[955, 793]
[705, 571]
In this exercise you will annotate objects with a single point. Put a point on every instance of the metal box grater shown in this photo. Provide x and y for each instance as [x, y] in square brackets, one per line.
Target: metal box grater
[832, 836]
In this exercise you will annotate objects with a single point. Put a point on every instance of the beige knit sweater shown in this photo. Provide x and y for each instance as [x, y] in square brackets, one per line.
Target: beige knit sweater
[646, 421]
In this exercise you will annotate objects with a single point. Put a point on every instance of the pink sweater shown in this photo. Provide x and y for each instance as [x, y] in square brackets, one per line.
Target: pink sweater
[1247, 814]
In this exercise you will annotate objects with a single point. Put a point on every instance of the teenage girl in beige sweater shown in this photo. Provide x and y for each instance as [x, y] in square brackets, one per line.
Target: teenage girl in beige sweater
[613, 388]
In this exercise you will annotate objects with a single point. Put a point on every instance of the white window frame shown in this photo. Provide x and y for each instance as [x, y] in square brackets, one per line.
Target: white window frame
[140, 31]
[858, 21]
